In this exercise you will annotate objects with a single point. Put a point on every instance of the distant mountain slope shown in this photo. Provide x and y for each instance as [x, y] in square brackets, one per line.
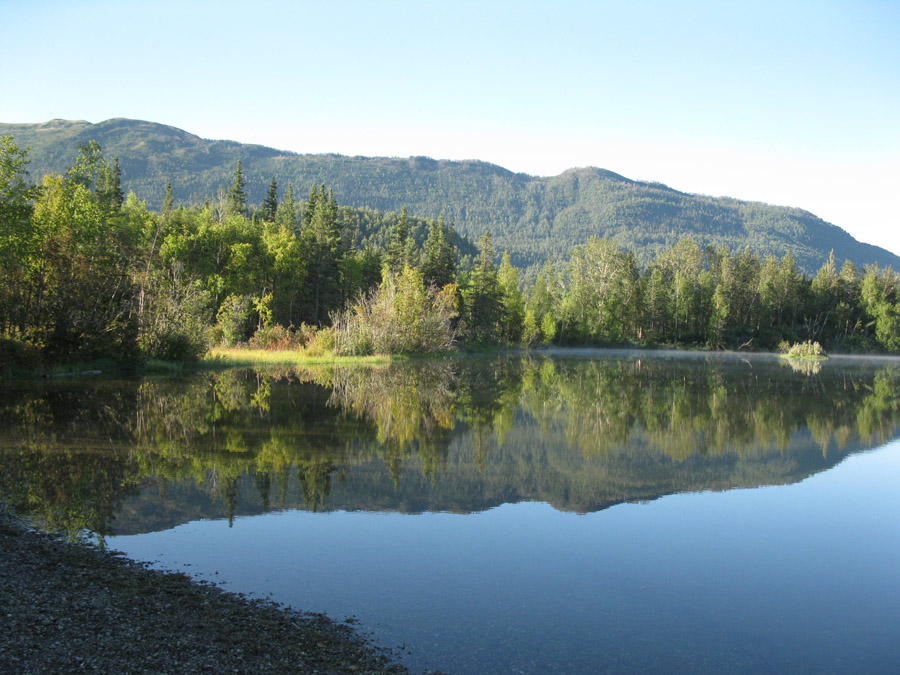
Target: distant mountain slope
[533, 217]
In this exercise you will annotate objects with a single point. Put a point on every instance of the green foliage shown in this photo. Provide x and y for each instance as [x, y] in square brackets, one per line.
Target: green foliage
[512, 302]
[236, 198]
[880, 297]
[398, 253]
[321, 246]
[806, 350]
[276, 337]
[18, 356]
[88, 275]
[482, 299]
[439, 264]
[269, 209]
[548, 329]
[531, 331]
[235, 318]
[602, 304]
[71, 289]
[400, 317]
[174, 345]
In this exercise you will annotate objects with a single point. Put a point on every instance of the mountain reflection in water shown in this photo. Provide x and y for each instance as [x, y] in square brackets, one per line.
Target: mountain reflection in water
[459, 435]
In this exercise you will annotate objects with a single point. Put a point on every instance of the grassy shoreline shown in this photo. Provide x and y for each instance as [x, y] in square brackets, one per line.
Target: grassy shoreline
[222, 357]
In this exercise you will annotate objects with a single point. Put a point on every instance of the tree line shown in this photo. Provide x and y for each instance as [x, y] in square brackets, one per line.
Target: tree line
[89, 273]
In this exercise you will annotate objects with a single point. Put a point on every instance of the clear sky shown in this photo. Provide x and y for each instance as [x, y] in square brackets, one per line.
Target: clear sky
[786, 102]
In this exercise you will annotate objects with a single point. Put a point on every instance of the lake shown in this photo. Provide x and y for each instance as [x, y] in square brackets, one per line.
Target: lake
[567, 511]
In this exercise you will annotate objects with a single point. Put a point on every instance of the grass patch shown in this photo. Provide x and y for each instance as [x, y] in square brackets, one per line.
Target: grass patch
[230, 358]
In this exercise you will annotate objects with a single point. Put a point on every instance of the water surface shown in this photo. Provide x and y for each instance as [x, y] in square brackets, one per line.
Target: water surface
[566, 513]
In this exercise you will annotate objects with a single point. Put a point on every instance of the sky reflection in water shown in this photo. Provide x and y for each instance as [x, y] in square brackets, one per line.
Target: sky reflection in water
[795, 578]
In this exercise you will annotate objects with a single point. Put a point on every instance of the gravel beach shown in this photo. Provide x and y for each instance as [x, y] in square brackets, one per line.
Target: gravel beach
[67, 607]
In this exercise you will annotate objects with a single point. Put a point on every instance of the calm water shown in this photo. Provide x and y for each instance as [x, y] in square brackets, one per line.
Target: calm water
[575, 512]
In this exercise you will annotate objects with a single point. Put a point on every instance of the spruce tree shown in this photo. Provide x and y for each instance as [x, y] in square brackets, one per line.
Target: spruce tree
[483, 309]
[169, 201]
[269, 208]
[237, 197]
[117, 196]
[398, 246]
[438, 267]
[448, 262]
[287, 211]
[309, 209]
[320, 245]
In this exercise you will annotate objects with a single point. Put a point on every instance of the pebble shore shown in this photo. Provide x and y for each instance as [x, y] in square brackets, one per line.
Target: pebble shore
[68, 607]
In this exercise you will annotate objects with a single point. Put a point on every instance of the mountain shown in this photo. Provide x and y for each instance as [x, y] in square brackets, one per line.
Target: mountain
[533, 217]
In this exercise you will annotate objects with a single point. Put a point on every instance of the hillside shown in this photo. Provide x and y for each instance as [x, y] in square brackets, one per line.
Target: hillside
[533, 217]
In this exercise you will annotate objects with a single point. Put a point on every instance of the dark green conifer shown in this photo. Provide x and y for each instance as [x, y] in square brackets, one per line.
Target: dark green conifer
[169, 201]
[438, 267]
[237, 197]
[269, 208]
[117, 196]
[397, 248]
[483, 308]
[287, 211]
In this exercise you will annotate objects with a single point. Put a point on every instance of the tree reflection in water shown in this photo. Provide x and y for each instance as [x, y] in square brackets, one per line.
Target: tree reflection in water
[456, 434]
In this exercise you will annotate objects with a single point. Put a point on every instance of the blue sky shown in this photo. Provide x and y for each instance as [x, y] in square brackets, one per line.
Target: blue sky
[792, 103]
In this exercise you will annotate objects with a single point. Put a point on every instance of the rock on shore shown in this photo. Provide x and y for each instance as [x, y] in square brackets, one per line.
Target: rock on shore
[67, 607]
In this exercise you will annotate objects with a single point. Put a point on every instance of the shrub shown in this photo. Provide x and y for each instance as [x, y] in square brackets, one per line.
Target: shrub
[18, 355]
[806, 350]
[321, 343]
[400, 317]
[176, 345]
[275, 337]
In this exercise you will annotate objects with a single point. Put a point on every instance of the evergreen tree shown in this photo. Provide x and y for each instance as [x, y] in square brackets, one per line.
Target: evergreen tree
[169, 201]
[236, 198]
[311, 203]
[439, 265]
[398, 248]
[287, 209]
[320, 245]
[482, 298]
[269, 208]
[115, 189]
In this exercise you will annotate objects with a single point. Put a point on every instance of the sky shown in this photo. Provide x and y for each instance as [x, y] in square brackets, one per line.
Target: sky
[791, 103]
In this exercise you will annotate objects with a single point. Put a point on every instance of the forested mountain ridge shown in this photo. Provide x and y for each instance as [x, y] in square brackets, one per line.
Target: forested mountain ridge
[533, 217]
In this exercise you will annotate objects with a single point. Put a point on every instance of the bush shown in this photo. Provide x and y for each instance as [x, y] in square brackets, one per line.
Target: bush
[18, 355]
[175, 345]
[400, 317]
[321, 343]
[275, 337]
[806, 350]
[305, 334]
